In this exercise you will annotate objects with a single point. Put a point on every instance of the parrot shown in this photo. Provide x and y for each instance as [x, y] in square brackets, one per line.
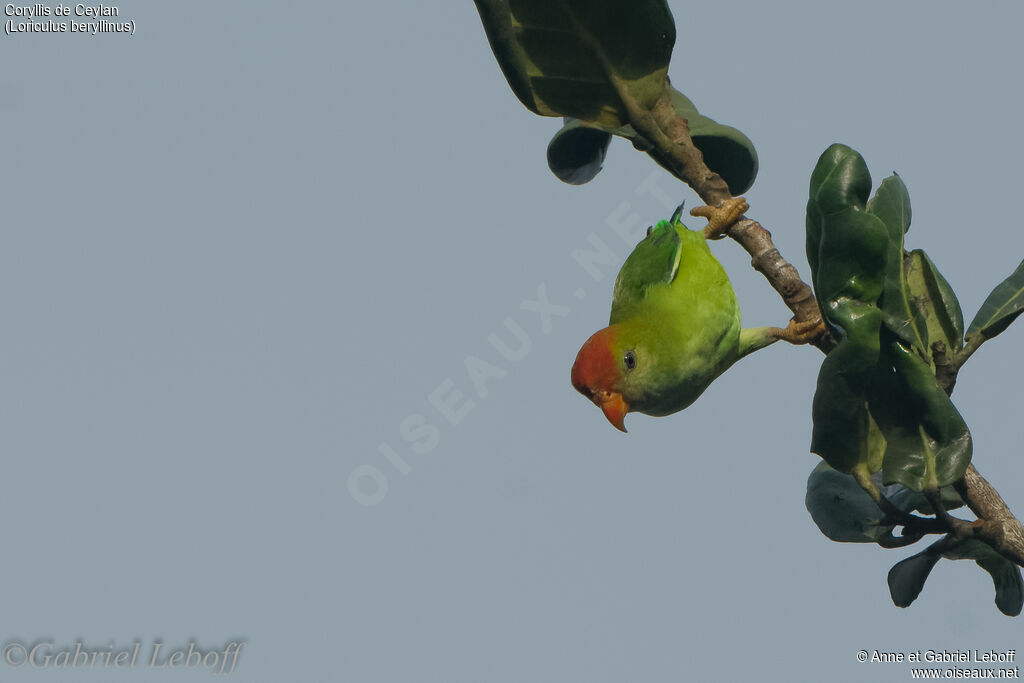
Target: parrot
[674, 325]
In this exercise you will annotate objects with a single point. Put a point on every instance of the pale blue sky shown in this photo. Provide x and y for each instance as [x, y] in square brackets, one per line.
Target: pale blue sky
[242, 248]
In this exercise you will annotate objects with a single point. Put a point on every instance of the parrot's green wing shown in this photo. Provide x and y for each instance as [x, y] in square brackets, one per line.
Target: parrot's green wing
[654, 261]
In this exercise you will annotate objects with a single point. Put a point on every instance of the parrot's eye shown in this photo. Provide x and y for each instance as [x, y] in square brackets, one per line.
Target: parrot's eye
[630, 360]
[650, 229]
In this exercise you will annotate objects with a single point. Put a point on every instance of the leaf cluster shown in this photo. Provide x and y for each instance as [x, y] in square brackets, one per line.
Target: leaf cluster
[600, 64]
[883, 422]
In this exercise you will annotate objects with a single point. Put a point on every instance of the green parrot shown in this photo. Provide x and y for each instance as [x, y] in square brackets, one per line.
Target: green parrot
[675, 324]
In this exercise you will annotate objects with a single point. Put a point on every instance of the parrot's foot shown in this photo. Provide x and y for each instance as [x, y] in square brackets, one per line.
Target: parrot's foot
[800, 333]
[721, 218]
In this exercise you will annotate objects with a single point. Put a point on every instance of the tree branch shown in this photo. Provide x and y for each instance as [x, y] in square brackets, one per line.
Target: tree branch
[996, 525]
[945, 370]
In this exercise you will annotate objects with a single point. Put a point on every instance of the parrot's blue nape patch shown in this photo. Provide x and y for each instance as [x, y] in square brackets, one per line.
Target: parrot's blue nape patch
[677, 213]
[664, 228]
[660, 233]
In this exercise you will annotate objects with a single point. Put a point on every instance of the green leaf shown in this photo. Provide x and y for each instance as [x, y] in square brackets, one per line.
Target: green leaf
[577, 151]
[580, 58]
[927, 442]
[840, 179]
[840, 417]
[907, 577]
[909, 501]
[727, 151]
[917, 303]
[942, 312]
[841, 508]
[846, 247]
[842, 426]
[876, 446]
[1001, 308]
[891, 204]
[1005, 575]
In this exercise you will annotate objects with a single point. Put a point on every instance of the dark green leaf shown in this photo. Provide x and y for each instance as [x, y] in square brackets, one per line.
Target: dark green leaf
[840, 180]
[841, 508]
[909, 501]
[1005, 574]
[1001, 308]
[727, 152]
[927, 442]
[577, 151]
[907, 577]
[891, 204]
[840, 417]
[942, 312]
[846, 247]
[497, 19]
[580, 58]
[851, 260]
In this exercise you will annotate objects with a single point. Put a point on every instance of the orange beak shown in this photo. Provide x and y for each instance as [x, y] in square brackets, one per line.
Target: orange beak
[614, 408]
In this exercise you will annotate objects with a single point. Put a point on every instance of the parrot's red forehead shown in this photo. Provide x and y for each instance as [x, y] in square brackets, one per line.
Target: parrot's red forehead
[595, 367]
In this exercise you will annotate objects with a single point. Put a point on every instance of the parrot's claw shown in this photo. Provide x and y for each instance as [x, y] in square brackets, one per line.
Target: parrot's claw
[800, 332]
[721, 218]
